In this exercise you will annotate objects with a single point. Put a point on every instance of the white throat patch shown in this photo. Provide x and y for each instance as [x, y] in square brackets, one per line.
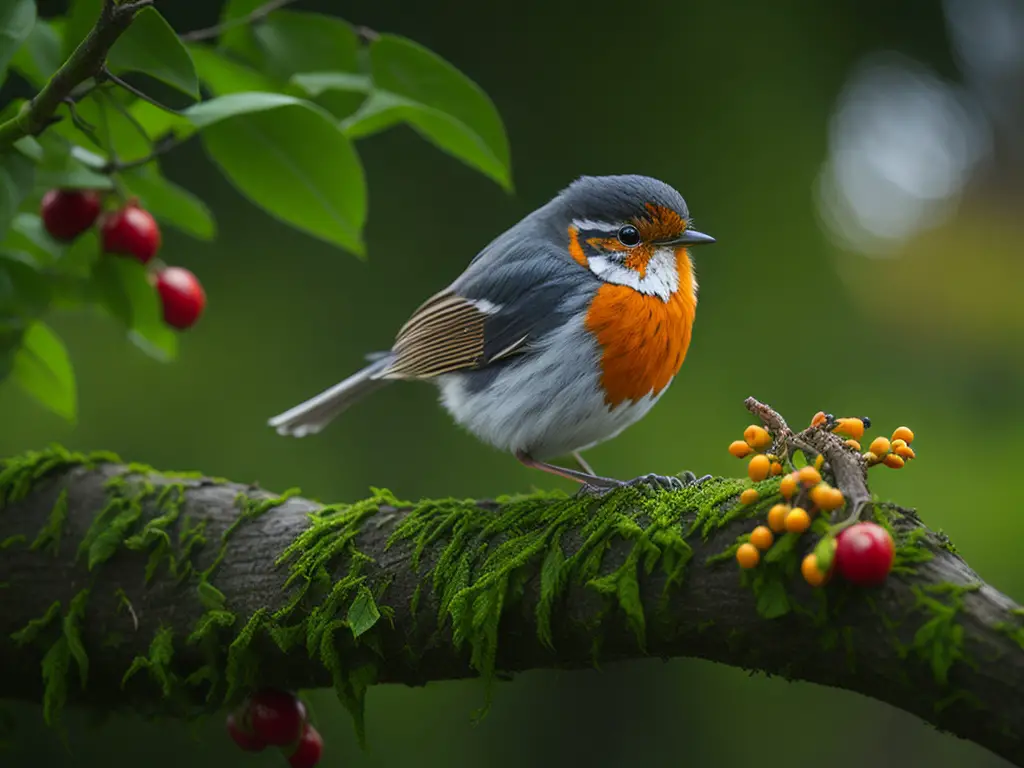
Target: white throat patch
[661, 279]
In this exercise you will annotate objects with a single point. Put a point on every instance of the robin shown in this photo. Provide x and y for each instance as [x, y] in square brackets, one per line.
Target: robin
[563, 331]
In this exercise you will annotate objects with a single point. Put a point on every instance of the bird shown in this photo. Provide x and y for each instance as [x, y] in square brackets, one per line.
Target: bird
[560, 333]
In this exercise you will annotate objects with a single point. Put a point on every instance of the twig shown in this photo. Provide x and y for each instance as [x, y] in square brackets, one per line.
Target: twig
[163, 146]
[218, 29]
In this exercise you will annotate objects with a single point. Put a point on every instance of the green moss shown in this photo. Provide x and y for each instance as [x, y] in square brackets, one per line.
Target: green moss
[155, 534]
[32, 630]
[19, 474]
[13, 541]
[911, 550]
[157, 662]
[251, 509]
[49, 535]
[114, 524]
[939, 641]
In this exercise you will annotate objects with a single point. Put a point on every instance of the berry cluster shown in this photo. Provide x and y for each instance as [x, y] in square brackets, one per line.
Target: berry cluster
[131, 231]
[271, 718]
[893, 452]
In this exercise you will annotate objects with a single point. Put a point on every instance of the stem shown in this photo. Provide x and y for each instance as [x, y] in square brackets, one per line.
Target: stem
[106, 74]
[218, 29]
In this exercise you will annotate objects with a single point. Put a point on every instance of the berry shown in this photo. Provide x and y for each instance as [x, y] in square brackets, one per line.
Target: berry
[809, 476]
[67, 213]
[182, 297]
[749, 496]
[903, 433]
[747, 555]
[864, 554]
[761, 538]
[850, 428]
[309, 749]
[131, 231]
[905, 452]
[276, 717]
[776, 468]
[826, 497]
[811, 573]
[740, 449]
[853, 444]
[758, 468]
[797, 520]
[247, 740]
[757, 437]
[879, 446]
[893, 461]
[819, 419]
[788, 485]
[777, 517]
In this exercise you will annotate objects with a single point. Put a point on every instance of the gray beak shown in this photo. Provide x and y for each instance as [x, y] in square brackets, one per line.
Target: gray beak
[692, 237]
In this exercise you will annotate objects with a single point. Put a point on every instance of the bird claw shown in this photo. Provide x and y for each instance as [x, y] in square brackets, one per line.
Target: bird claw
[651, 481]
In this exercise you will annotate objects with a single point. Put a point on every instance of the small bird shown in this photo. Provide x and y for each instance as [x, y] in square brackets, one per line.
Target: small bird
[561, 332]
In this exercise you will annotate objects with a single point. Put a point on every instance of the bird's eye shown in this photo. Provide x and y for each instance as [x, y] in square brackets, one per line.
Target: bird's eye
[629, 236]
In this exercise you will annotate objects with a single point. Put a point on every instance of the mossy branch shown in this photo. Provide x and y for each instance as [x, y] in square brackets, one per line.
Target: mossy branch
[175, 594]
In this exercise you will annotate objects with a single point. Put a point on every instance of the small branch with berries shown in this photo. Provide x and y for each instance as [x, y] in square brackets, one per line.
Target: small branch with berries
[239, 599]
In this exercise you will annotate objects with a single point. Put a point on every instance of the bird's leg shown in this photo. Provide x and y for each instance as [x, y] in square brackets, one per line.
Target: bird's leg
[584, 465]
[596, 482]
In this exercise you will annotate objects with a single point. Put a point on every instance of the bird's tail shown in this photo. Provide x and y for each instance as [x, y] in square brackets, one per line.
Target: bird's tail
[311, 416]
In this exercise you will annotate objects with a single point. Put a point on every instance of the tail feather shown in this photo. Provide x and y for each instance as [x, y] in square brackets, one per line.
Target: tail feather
[309, 417]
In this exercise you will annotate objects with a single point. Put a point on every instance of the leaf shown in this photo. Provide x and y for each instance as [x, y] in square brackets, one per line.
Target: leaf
[17, 18]
[39, 57]
[61, 167]
[222, 75]
[23, 289]
[169, 203]
[308, 174]
[124, 289]
[297, 41]
[16, 177]
[43, 370]
[239, 38]
[340, 93]
[27, 233]
[772, 600]
[82, 16]
[129, 143]
[363, 613]
[150, 45]
[473, 131]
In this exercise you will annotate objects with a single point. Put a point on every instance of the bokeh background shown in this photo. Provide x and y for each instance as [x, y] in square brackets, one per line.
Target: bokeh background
[860, 163]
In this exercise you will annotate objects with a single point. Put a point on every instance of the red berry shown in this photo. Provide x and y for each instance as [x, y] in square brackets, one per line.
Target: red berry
[131, 231]
[67, 213]
[277, 717]
[247, 740]
[864, 554]
[308, 750]
[182, 297]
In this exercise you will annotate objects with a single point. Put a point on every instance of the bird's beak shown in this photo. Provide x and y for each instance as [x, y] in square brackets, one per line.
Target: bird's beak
[692, 237]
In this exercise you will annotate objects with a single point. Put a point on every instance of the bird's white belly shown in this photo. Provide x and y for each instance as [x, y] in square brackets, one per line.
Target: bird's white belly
[548, 404]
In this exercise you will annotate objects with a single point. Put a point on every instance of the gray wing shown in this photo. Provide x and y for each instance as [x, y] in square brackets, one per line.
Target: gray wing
[511, 294]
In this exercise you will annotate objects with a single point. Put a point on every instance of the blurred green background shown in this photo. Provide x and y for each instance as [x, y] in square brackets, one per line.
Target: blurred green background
[860, 164]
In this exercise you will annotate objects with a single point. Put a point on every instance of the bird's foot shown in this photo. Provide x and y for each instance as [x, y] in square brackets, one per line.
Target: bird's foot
[650, 481]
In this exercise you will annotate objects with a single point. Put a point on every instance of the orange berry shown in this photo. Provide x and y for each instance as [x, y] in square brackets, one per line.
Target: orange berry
[819, 462]
[880, 446]
[903, 433]
[809, 476]
[893, 461]
[826, 497]
[757, 437]
[850, 428]
[747, 555]
[749, 496]
[906, 452]
[819, 419]
[758, 468]
[776, 468]
[777, 517]
[896, 444]
[853, 444]
[788, 485]
[797, 521]
[870, 458]
[811, 573]
[740, 449]
[761, 537]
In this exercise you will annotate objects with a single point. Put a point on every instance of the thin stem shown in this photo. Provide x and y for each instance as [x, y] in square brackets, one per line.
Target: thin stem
[162, 147]
[106, 74]
[218, 29]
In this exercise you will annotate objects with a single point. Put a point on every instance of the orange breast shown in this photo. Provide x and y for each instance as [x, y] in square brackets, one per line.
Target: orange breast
[643, 339]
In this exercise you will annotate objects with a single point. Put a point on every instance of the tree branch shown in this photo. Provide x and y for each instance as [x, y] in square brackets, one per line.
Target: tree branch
[85, 62]
[465, 588]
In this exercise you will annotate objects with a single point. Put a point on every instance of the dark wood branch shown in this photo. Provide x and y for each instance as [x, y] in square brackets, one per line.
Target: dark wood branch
[870, 641]
[85, 62]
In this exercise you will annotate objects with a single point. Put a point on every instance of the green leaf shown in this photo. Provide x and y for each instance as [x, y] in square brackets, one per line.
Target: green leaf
[239, 38]
[169, 203]
[308, 174]
[150, 45]
[27, 233]
[129, 142]
[17, 18]
[39, 57]
[472, 131]
[23, 289]
[222, 75]
[825, 553]
[340, 93]
[82, 16]
[43, 370]
[16, 177]
[363, 613]
[772, 600]
[61, 167]
[125, 290]
[297, 41]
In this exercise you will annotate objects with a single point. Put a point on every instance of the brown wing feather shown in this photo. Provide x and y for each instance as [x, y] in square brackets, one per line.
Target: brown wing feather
[446, 333]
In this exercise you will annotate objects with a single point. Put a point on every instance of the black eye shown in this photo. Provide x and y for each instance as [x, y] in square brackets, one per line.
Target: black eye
[629, 236]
